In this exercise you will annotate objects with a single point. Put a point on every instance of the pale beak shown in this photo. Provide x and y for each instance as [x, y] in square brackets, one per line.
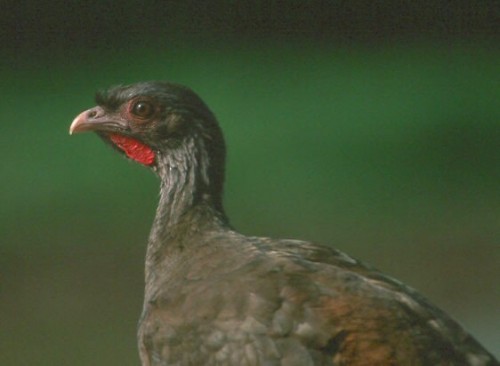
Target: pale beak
[93, 119]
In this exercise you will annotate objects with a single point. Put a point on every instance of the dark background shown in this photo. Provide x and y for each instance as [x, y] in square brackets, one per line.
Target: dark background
[372, 126]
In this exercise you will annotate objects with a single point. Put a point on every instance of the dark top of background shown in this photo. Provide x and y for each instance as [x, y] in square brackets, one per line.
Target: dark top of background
[63, 25]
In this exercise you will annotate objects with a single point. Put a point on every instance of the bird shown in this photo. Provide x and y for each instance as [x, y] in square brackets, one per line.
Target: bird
[214, 296]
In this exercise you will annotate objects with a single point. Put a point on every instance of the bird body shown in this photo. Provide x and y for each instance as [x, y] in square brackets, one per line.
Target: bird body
[216, 297]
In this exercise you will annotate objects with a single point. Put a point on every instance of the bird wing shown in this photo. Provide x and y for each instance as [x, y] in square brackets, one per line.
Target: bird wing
[351, 314]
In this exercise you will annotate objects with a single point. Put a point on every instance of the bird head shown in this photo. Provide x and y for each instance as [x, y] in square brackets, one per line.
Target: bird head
[147, 119]
[161, 125]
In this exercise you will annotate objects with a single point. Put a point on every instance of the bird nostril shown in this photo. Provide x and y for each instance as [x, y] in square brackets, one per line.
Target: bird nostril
[92, 114]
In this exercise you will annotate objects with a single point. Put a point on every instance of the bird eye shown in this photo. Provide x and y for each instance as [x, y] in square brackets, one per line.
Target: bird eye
[142, 109]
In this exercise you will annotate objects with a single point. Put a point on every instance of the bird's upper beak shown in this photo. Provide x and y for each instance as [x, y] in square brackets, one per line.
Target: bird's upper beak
[94, 119]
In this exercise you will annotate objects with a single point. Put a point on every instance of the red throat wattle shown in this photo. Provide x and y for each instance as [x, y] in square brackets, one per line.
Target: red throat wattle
[134, 149]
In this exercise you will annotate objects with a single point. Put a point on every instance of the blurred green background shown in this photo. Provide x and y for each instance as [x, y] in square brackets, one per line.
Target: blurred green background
[371, 128]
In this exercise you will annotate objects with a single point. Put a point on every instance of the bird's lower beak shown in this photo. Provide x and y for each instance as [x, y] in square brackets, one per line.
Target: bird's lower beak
[94, 119]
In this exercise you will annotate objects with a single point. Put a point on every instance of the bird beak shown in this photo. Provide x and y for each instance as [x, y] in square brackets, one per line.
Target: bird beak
[93, 119]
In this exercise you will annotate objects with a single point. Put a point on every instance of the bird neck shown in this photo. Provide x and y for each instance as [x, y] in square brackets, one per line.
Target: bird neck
[189, 204]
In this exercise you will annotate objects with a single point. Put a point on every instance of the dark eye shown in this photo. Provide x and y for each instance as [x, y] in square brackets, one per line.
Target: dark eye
[142, 109]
